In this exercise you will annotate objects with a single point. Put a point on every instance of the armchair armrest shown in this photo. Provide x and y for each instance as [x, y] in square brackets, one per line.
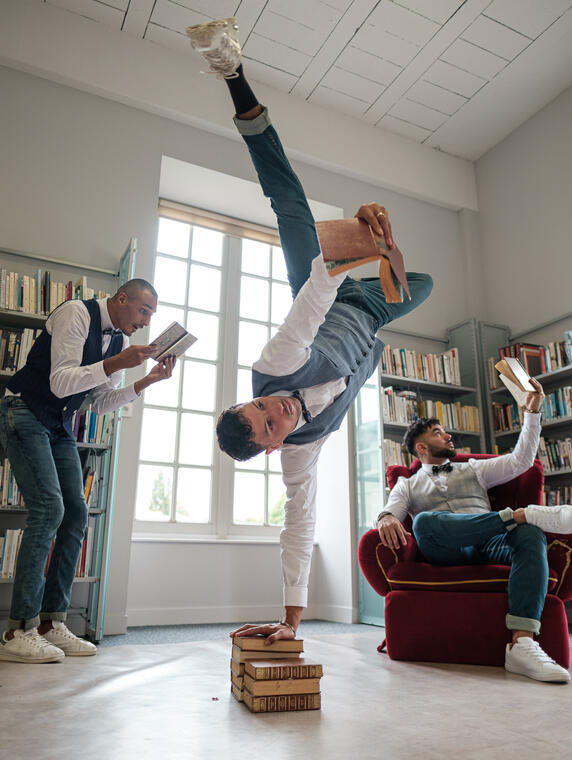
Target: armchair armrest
[375, 559]
[559, 550]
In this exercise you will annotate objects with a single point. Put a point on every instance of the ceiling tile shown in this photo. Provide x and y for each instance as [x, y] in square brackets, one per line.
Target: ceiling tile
[499, 39]
[403, 23]
[104, 13]
[291, 33]
[353, 85]
[384, 45]
[174, 40]
[417, 114]
[277, 55]
[435, 97]
[404, 128]
[367, 65]
[453, 79]
[211, 8]
[174, 16]
[274, 77]
[529, 17]
[315, 15]
[436, 10]
[330, 98]
[474, 59]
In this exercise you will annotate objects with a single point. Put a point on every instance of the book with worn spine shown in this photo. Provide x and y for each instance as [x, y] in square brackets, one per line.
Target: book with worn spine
[260, 688]
[266, 670]
[282, 702]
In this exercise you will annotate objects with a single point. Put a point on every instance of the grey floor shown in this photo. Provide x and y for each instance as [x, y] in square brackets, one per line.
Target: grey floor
[144, 699]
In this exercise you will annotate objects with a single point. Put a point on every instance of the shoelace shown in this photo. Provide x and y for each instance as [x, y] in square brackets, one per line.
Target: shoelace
[539, 654]
[36, 639]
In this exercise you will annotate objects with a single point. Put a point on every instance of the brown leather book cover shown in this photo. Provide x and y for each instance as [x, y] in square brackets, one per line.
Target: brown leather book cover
[348, 243]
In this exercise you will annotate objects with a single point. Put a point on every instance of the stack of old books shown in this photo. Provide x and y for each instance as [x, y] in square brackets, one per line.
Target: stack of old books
[273, 677]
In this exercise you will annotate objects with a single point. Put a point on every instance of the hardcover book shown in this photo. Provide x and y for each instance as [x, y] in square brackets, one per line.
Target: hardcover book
[258, 644]
[242, 655]
[173, 341]
[280, 670]
[284, 686]
[348, 243]
[281, 703]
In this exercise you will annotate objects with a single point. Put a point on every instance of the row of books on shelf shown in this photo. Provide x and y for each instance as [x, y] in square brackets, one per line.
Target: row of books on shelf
[437, 368]
[554, 495]
[89, 427]
[555, 455]
[11, 497]
[39, 294]
[10, 546]
[557, 405]
[395, 454]
[536, 359]
[403, 407]
[15, 344]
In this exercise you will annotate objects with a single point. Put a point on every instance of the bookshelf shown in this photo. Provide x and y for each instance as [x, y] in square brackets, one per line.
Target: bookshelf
[369, 428]
[87, 608]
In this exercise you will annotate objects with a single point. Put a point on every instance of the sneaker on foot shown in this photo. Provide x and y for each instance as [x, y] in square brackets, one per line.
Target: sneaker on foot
[71, 645]
[29, 646]
[526, 658]
[550, 519]
[218, 43]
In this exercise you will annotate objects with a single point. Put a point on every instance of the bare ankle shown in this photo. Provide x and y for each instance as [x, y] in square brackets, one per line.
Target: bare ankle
[519, 516]
[252, 114]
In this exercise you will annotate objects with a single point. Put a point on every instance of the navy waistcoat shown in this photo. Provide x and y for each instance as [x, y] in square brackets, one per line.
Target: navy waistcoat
[32, 382]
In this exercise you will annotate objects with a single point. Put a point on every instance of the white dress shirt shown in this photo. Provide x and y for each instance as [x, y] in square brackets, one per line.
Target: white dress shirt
[285, 353]
[489, 472]
[69, 327]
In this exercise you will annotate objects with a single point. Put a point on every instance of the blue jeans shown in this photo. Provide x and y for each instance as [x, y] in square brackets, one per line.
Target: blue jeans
[453, 539]
[297, 231]
[47, 469]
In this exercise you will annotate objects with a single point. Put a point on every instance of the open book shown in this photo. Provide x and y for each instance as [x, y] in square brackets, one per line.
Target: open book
[173, 341]
[515, 378]
[349, 243]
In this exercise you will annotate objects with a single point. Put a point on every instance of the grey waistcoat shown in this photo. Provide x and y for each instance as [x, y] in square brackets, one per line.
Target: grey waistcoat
[465, 495]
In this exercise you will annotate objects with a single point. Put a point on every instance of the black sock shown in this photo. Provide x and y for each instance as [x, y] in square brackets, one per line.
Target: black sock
[242, 96]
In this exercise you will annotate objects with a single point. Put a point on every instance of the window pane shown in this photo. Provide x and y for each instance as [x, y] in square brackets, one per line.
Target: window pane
[278, 265]
[165, 392]
[254, 298]
[248, 498]
[154, 489]
[273, 460]
[204, 288]
[158, 435]
[207, 245]
[173, 237]
[196, 442]
[281, 302]
[205, 328]
[276, 500]
[193, 495]
[170, 279]
[199, 386]
[257, 463]
[251, 340]
[255, 257]
[243, 386]
[163, 318]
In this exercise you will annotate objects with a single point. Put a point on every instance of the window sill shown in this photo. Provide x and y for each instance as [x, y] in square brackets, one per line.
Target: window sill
[163, 538]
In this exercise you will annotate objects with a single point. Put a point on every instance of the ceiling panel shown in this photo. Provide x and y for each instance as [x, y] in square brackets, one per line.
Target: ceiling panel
[415, 67]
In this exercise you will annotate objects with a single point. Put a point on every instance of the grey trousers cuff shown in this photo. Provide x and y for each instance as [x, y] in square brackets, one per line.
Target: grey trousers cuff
[249, 127]
[515, 623]
[23, 625]
[59, 617]
[506, 515]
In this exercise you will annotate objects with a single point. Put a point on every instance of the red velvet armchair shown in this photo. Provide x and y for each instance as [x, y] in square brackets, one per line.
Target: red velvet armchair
[456, 614]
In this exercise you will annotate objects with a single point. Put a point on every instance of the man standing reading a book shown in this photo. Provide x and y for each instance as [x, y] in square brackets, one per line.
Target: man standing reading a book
[453, 525]
[83, 348]
[313, 368]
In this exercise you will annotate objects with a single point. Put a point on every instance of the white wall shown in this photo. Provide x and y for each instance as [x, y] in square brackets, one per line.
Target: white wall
[525, 199]
[80, 176]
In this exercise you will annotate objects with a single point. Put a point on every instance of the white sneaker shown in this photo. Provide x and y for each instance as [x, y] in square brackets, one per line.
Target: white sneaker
[526, 658]
[71, 645]
[550, 519]
[218, 43]
[29, 646]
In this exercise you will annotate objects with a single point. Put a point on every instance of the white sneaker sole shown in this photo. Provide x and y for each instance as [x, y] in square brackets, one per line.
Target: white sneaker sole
[9, 657]
[548, 678]
[80, 654]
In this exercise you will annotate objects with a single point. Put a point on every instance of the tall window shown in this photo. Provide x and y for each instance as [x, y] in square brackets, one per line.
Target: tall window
[226, 283]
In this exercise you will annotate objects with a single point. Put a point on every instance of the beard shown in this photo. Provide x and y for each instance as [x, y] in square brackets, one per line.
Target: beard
[442, 452]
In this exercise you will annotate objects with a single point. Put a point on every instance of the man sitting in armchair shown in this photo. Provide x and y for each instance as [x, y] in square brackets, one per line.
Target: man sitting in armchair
[453, 525]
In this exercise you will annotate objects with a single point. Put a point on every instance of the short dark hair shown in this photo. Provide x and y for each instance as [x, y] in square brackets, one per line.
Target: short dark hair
[416, 429]
[234, 435]
[134, 287]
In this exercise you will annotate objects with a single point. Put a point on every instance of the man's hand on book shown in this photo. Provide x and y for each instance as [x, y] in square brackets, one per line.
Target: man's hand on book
[391, 532]
[273, 631]
[534, 400]
[377, 218]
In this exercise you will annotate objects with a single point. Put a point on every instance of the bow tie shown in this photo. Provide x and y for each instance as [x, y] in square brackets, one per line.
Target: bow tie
[447, 467]
[305, 413]
[110, 331]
